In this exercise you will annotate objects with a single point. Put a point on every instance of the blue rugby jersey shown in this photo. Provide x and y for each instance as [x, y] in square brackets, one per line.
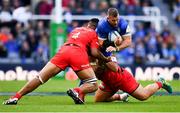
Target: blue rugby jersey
[104, 28]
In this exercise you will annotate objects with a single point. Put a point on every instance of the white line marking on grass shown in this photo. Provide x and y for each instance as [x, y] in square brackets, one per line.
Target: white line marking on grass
[92, 112]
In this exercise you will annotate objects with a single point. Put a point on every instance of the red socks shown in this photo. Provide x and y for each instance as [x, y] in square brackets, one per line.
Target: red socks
[17, 95]
[159, 84]
[79, 91]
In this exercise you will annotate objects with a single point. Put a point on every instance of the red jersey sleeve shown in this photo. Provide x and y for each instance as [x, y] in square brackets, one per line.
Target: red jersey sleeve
[94, 42]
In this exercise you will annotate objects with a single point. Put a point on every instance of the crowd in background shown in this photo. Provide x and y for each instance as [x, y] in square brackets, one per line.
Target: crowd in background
[174, 7]
[22, 38]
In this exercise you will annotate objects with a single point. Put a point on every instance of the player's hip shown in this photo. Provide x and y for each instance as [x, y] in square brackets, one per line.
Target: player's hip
[122, 80]
[74, 57]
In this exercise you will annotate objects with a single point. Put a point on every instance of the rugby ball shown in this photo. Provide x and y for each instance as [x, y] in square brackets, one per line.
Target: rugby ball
[115, 37]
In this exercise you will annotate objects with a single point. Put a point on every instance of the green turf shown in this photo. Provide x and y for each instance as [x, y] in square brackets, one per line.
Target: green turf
[64, 103]
[61, 85]
[50, 86]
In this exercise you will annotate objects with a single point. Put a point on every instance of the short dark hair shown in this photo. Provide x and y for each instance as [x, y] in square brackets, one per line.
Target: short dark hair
[112, 12]
[94, 22]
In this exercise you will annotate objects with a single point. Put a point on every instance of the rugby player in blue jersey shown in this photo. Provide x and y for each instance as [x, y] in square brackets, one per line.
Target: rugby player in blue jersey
[113, 22]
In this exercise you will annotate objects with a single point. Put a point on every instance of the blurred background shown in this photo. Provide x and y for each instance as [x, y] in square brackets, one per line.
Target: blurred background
[31, 31]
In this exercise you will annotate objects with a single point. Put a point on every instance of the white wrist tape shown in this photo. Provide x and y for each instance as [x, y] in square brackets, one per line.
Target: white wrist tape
[114, 59]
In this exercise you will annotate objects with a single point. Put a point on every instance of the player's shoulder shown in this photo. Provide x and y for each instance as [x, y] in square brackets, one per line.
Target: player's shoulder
[103, 26]
[84, 29]
[90, 31]
[122, 22]
[77, 29]
[122, 25]
[122, 19]
[80, 28]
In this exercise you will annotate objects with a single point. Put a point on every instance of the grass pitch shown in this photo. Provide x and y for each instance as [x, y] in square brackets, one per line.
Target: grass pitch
[163, 103]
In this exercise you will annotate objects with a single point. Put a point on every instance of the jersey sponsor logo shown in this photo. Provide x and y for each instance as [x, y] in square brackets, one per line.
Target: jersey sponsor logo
[97, 43]
[114, 59]
[76, 35]
[86, 65]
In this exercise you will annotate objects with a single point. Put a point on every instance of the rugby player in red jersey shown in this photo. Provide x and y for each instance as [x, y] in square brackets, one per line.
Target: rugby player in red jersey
[115, 78]
[72, 54]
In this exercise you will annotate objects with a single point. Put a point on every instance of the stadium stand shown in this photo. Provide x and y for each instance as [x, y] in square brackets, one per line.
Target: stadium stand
[27, 40]
[174, 7]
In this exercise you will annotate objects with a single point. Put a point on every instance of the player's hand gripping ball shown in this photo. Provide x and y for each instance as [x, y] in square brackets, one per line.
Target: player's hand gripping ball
[115, 37]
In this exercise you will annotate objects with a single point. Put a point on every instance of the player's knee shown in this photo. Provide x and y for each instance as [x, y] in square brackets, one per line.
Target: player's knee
[95, 86]
[92, 82]
[142, 99]
[98, 97]
[97, 100]
[141, 93]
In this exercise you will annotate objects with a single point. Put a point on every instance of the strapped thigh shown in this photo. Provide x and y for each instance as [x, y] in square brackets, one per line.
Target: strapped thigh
[91, 80]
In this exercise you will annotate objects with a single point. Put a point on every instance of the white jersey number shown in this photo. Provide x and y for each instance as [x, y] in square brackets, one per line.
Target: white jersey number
[76, 35]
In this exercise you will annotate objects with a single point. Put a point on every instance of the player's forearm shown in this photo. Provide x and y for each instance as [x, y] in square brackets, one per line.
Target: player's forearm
[96, 53]
[112, 66]
[126, 43]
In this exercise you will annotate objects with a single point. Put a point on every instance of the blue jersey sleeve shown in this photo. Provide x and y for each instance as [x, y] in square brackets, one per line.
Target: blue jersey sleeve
[103, 29]
[101, 33]
[124, 27]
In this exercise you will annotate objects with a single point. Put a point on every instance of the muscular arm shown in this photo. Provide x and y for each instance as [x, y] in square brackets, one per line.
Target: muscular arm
[126, 43]
[100, 41]
[97, 54]
[99, 66]
[112, 66]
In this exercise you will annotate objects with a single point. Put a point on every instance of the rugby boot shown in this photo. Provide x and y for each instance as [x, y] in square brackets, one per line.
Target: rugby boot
[11, 101]
[165, 85]
[75, 96]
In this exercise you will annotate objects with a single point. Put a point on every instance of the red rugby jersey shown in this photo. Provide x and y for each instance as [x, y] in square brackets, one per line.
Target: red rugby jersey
[83, 37]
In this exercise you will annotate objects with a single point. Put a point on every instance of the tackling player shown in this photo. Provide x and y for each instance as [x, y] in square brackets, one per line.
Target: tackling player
[74, 54]
[115, 78]
[112, 23]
